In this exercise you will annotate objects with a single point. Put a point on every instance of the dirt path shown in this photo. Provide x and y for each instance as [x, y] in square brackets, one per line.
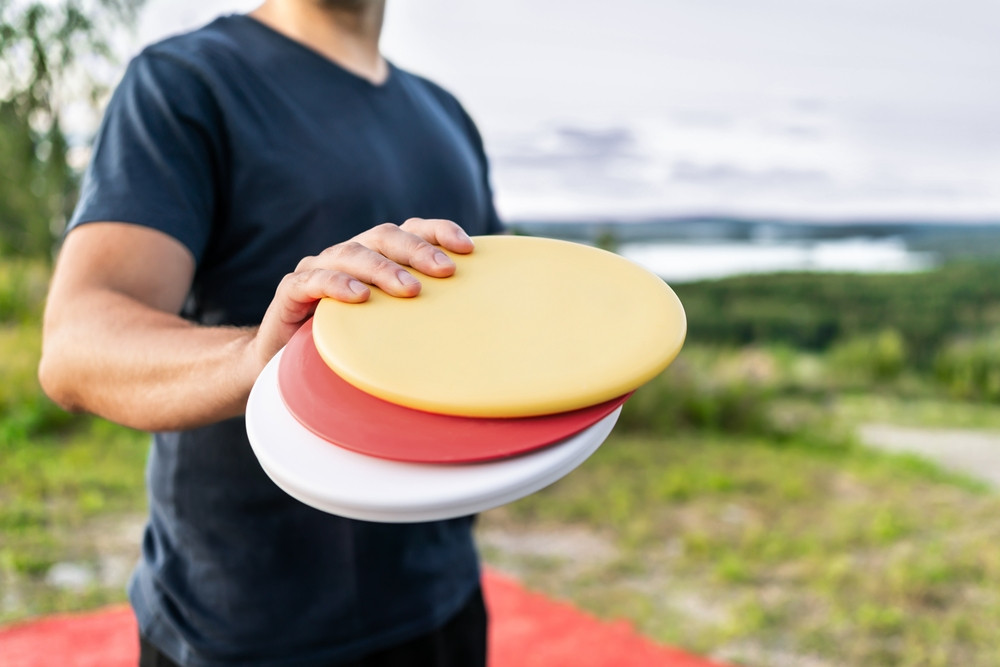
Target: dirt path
[974, 453]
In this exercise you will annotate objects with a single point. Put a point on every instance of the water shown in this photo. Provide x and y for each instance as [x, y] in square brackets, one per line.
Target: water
[685, 262]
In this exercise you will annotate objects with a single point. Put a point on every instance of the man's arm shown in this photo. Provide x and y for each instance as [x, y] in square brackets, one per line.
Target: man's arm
[115, 345]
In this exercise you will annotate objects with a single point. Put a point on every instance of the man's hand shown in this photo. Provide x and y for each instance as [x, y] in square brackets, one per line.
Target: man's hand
[115, 345]
[344, 271]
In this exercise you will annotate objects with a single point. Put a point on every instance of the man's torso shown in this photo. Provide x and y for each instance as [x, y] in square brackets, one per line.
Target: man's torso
[254, 151]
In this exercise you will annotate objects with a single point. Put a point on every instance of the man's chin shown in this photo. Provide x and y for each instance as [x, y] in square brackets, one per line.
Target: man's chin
[346, 5]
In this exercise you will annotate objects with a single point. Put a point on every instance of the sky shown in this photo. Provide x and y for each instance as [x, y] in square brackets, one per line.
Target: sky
[804, 109]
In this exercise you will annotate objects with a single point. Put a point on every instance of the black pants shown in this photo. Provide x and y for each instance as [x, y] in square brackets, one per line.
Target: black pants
[461, 642]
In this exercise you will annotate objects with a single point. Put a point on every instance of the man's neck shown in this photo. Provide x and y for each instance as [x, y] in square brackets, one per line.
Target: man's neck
[348, 35]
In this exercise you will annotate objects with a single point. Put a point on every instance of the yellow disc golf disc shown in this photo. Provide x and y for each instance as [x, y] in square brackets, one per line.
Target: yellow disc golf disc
[526, 326]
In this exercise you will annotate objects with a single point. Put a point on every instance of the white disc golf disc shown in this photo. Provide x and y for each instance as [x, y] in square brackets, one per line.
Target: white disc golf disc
[342, 482]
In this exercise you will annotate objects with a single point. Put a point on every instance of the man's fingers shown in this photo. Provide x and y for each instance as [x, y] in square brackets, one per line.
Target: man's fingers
[295, 300]
[379, 257]
[344, 271]
[299, 291]
[444, 233]
[366, 265]
[408, 249]
[413, 244]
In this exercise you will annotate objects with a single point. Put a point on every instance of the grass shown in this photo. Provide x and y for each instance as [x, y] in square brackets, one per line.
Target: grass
[62, 490]
[62, 499]
[926, 412]
[66, 481]
[745, 550]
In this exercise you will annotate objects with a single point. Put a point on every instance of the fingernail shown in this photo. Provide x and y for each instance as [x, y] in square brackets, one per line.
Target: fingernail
[406, 278]
[357, 287]
[442, 259]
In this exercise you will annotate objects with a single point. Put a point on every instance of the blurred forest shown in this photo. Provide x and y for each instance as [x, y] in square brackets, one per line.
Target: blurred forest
[48, 52]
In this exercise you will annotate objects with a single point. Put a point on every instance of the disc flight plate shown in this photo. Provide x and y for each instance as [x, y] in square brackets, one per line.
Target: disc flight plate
[525, 327]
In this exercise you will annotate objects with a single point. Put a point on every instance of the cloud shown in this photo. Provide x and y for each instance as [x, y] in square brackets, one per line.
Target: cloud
[731, 175]
[569, 147]
[796, 160]
[858, 107]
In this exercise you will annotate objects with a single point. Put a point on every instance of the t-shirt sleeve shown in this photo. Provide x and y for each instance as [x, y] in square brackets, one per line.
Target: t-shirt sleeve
[493, 223]
[156, 160]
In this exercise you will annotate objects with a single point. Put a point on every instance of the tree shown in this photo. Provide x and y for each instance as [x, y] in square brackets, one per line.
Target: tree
[48, 50]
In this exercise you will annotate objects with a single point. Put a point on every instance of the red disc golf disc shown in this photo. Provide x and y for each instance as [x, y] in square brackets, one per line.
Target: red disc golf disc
[346, 416]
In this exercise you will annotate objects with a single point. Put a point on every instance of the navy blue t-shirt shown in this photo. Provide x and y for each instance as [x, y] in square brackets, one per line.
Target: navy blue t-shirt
[254, 151]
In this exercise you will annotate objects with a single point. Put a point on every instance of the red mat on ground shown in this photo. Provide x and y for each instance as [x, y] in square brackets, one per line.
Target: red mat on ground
[527, 630]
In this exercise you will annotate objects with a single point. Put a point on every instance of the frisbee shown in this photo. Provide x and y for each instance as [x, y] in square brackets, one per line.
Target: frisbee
[346, 416]
[346, 483]
[525, 327]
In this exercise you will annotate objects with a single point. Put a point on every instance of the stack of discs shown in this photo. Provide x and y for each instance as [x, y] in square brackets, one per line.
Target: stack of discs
[490, 385]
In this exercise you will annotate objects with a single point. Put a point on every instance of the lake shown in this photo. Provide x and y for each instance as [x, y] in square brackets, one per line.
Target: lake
[690, 261]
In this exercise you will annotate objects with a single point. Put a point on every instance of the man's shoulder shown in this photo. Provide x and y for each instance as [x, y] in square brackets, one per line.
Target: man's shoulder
[420, 80]
[202, 49]
[445, 98]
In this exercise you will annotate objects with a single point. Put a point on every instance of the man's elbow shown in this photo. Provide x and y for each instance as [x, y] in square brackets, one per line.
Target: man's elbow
[56, 381]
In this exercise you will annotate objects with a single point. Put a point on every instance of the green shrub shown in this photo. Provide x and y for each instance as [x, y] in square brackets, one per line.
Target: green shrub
[686, 398]
[970, 368]
[24, 409]
[22, 290]
[815, 311]
[874, 358]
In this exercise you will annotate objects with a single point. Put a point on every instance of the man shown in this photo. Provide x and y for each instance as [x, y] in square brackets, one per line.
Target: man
[226, 156]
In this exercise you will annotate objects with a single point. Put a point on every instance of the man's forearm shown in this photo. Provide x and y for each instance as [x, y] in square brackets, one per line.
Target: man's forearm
[118, 358]
[113, 344]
